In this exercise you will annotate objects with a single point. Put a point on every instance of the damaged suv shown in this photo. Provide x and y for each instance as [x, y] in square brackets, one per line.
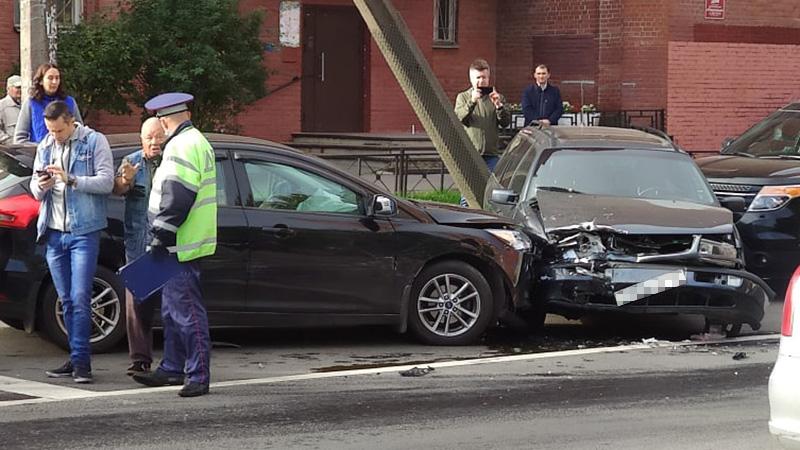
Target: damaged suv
[623, 221]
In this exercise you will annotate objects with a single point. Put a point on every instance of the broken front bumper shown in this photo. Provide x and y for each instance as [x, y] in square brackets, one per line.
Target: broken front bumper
[721, 295]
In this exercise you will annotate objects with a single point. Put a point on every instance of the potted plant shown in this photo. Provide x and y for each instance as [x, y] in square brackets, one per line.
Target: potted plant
[570, 117]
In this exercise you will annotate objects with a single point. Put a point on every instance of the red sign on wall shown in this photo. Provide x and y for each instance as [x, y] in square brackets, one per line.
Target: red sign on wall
[715, 9]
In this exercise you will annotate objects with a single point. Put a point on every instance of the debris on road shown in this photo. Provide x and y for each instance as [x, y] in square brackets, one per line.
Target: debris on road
[416, 371]
[739, 355]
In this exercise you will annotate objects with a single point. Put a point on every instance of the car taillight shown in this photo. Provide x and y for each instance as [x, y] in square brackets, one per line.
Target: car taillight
[791, 293]
[18, 211]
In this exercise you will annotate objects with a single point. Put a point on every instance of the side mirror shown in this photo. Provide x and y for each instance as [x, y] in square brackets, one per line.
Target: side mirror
[727, 141]
[504, 197]
[735, 204]
[382, 205]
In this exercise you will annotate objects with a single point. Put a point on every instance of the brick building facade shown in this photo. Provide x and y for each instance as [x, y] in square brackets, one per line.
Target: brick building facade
[714, 77]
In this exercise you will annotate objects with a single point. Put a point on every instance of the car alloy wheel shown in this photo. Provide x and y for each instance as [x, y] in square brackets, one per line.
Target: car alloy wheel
[451, 304]
[108, 313]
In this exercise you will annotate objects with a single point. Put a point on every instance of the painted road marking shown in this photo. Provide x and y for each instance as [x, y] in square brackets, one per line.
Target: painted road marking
[52, 393]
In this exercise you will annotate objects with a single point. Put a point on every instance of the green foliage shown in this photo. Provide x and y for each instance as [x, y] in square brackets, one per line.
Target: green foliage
[203, 47]
[445, 196]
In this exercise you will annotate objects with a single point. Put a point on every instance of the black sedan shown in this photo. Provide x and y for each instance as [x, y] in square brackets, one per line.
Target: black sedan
[624, 222]
[301, 243]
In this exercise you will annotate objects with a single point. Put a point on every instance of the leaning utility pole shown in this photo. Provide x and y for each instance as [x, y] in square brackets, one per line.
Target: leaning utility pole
[427, 97]
[36, 39]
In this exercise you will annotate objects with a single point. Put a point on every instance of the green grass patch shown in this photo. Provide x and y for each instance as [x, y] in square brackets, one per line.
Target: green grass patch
[445, 196]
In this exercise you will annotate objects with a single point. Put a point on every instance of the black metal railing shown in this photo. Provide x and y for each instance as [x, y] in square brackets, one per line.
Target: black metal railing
[398, 171]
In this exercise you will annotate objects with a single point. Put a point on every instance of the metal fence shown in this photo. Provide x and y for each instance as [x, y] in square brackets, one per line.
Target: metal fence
[401, 171]
[398, 171]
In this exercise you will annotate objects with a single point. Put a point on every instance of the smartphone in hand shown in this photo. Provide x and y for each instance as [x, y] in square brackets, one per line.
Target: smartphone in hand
[486, 90]
[43, 174]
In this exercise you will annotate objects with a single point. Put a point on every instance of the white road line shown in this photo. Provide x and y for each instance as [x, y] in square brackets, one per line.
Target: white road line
[43, 390]
[60, 393]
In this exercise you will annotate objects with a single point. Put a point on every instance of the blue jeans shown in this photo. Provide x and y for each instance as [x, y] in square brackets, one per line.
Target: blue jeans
[73, 260]
[491, 162]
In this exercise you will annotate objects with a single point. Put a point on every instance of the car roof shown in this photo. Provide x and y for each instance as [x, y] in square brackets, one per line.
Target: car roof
[602, 137]
[133, 140]
[792, 107]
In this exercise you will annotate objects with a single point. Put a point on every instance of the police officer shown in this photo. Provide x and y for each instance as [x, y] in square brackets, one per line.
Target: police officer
[183, 217]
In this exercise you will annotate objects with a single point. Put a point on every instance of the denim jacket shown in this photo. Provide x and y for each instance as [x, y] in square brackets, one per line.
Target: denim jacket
[91, 163]
[136, 224]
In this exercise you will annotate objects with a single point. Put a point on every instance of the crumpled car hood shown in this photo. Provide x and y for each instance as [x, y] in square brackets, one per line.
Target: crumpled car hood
[632, 215]
[456, 215]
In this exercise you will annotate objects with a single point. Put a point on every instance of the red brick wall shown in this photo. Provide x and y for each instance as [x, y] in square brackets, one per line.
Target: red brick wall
[720, 89]
[643, 83]
[526, 30]
[9, 40]
[277, 116]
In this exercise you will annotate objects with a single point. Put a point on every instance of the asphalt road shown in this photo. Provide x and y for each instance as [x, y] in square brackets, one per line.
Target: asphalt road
[602, 385]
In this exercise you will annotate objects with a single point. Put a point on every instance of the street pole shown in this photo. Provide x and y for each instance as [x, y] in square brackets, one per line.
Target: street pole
[427, 97]
[34, 48]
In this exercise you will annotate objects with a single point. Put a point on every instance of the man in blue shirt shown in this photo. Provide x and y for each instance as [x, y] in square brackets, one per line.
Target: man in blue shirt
[541, 101]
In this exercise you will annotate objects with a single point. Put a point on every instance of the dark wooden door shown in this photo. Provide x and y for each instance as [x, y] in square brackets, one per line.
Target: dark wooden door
[333, 69]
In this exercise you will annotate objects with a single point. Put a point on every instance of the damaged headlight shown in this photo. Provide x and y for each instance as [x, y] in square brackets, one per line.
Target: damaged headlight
[514, 238]
[717, 250]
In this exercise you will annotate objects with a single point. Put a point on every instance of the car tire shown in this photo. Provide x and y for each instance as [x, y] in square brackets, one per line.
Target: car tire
[108, 310]
[458, 316]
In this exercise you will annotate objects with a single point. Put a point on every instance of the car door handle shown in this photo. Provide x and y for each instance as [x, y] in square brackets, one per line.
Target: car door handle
[280, 231]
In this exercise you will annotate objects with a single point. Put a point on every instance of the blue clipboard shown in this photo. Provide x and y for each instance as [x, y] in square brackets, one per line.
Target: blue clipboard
[147, 274]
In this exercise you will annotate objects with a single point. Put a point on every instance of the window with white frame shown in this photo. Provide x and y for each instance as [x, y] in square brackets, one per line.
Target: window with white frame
[68, 12]
[444, 22]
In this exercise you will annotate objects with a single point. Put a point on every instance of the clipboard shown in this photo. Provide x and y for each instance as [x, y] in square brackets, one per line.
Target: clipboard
[147, 274]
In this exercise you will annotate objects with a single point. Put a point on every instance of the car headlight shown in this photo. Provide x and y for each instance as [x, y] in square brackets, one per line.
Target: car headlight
[717, 250]
[514, 238]
[771, 198]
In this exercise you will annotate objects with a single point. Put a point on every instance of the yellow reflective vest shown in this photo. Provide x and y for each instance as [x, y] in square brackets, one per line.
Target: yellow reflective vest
[189, 160]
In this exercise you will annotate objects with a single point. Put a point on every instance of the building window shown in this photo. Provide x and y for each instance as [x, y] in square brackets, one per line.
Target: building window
[68, 12]
[444, 22]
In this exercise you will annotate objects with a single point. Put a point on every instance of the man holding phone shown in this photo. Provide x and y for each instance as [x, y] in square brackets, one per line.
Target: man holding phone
[74, 175]
[481, 109]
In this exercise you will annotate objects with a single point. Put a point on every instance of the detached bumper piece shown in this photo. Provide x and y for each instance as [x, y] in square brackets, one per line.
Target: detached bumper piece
[721, 295]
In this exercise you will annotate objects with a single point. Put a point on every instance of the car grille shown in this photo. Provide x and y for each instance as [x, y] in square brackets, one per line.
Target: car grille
[742, 188]
[746, 191]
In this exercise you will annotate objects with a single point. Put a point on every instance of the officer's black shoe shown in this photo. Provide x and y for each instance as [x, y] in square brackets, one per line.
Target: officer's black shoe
[62, 372]
[191, 389]
[158, 378]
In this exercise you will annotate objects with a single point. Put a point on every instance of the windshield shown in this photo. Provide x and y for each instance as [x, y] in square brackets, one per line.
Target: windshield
[776, 136]
[659, 175]
[11, 171]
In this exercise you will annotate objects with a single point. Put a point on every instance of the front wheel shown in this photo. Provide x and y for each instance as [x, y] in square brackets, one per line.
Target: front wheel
[108, 313]
[451, 304]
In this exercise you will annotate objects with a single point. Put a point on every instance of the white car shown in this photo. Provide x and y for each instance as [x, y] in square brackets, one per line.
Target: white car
[784, 383]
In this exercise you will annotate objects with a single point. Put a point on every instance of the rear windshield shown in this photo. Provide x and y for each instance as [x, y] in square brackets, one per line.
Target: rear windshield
[658, 175]
[11, 171]
[776, 136]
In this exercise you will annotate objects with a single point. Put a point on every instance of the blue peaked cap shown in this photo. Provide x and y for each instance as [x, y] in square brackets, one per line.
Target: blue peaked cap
[169, 103]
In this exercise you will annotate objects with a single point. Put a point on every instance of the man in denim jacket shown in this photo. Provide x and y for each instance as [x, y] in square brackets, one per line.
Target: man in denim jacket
[73, 175]
[134, 180]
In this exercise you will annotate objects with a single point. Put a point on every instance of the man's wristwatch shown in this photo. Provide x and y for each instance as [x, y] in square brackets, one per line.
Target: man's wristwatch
[72, 181]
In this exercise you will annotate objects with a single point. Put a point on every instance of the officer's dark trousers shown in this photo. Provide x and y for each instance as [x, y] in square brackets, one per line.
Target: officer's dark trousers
[187, 344]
